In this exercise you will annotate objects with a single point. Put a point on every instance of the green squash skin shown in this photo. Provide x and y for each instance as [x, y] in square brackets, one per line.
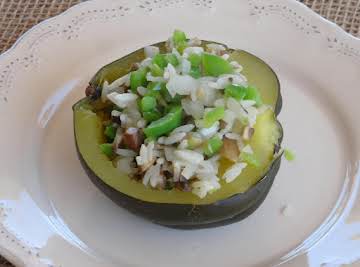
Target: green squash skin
[188, 216]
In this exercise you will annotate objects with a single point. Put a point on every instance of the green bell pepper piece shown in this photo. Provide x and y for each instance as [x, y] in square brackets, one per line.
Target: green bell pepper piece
[160, 60]
[253, 94]
[110, 132]
[195, 72]
[165, 124]
[155, 70]
[212, 146]
[214, 65]
[138, 78]
[172, 59]
[107, 149]
[235, 91]
[151, 115]
[154, 89]
[213, 116]
[155, 86]
[157, 89]
[181, 47]
[178, 37]
[250, 159]
[195, 60]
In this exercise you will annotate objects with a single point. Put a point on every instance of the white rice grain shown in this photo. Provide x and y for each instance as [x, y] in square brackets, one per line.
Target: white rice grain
[141, 123]
[211, 131]
[122, 100]
[202, 188]
[161, 140]
[193, 50]
[146, 62]
[183, 129]
[185, 66]
[115, 113]
[174, 138]
[151, 78]
[142, 90]
[235, 64]
[151, 51]
[225, 56]
[145, 154]
[150, 151]
[194, 42]
[124, 165]
[247, 103]
[227, 79]
[156, 178]
[124, 119]
[176, 171]
[115, 85]
[233, 172]
[233, 136]
[153, 170]
[220, 102]
[118, 137]
[247, 149]
[215, 48]
[193, 108]
[189, 171]
[189, 156]
[160, 161]
[181, 84]
[169, 153]
[125, 152]
[236, 108]
[183, 144]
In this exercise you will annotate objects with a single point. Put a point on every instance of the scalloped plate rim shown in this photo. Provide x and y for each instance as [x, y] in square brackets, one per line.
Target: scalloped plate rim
[21, 259]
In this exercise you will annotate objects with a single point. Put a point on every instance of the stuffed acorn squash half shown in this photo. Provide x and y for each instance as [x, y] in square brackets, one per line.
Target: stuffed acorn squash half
[183, 133]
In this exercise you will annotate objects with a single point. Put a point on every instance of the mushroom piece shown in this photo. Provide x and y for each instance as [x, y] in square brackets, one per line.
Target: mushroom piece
[133, 138]
[183, 186]
[230, 149]
[248, 132]
[146, 166]
[134, 66]
[93, 91]
[115, 116]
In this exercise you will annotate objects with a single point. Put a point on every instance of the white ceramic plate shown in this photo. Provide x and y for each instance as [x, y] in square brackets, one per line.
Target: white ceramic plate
[52, 215]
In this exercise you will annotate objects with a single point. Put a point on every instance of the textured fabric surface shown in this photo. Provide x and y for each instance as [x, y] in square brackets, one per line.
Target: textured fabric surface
[17, 16]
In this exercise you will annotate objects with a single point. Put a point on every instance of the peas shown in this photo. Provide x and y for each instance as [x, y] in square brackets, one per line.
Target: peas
[148, 103]
[289, 155]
